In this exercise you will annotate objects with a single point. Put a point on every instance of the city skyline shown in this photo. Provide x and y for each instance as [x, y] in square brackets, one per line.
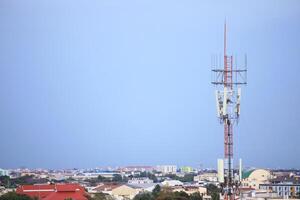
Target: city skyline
[111, 83]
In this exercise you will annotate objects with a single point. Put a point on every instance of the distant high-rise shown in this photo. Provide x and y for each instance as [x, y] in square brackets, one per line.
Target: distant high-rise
[4, 172]
[221, 170]
[240, 169]
[167, 169]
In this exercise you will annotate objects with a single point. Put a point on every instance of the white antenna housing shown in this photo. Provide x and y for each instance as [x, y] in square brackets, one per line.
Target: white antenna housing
[238, 101]
[225, 102]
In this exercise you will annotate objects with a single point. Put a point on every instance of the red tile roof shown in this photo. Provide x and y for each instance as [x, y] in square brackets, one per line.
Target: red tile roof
[38, 187]
[65, 195]
[69, 188]
[39, 190]
[53, 192]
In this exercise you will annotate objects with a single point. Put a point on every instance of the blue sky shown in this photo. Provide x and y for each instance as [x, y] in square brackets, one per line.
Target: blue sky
[107, 82]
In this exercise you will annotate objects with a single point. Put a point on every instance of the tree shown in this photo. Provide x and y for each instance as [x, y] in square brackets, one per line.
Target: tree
[5, 181]
[298, 195]
[156, 191]
[165, 196]
[118, 178]
[181, 195]
[93, 181]
[99, 196]
[196, 196]
[213, 191]
[146, 174]
[14, 196]
[186, 178]
[102, 178]
[169, 195]
[144, 196]
[152, 177]
[215, 196]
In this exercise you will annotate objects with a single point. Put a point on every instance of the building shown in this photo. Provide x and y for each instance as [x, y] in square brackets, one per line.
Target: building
[285, 186]
[116, 190]
[53, 191]
[171, 183]
[284, 190]
[105, 188]
[4, 172]
[252, 194]
[209, 177]
[221, 170]
[186, 169]
[167, 169]
[143, 180]
[124, 192]
[83, 176]
[144, 187]
[137, 169]
[240, 169]
[254, 178]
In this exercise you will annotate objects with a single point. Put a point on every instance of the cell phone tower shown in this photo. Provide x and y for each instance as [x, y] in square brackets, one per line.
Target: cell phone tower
[228, 80]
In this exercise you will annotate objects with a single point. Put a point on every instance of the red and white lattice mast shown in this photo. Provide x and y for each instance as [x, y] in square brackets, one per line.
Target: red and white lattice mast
[228, 96]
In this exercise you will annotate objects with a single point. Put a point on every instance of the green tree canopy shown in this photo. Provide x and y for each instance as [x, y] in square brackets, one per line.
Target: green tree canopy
[144, 196]
[186, 178]
[167, 194]
[213, 191]
[14, 196]
[156, 191]
[117, 178]
[196, 196]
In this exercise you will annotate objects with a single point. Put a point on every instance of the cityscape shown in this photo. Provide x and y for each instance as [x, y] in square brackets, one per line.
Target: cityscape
[141, 182]
[149, 100]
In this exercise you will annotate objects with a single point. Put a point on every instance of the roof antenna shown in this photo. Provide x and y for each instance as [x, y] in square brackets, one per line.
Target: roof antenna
[225, 38]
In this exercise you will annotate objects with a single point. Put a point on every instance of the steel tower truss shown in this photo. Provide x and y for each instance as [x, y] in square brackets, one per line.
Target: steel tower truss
[228, 80]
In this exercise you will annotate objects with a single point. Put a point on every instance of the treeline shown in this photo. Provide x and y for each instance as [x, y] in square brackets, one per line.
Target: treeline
[145, 174]
[115, 178]
[186, 178]
[165, 193]
[8, 182]
[159, 193]
[15, 196]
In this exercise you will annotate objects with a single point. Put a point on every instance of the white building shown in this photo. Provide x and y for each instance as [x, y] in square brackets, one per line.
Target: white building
[142, 180]
[221, 170]
[167, 169]
[144, 187]
[285, 190]
[258, 195]
[240, 170]
[82, 176]
[171, 183]
[256, 177]
[210, 177]
[4, 172]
